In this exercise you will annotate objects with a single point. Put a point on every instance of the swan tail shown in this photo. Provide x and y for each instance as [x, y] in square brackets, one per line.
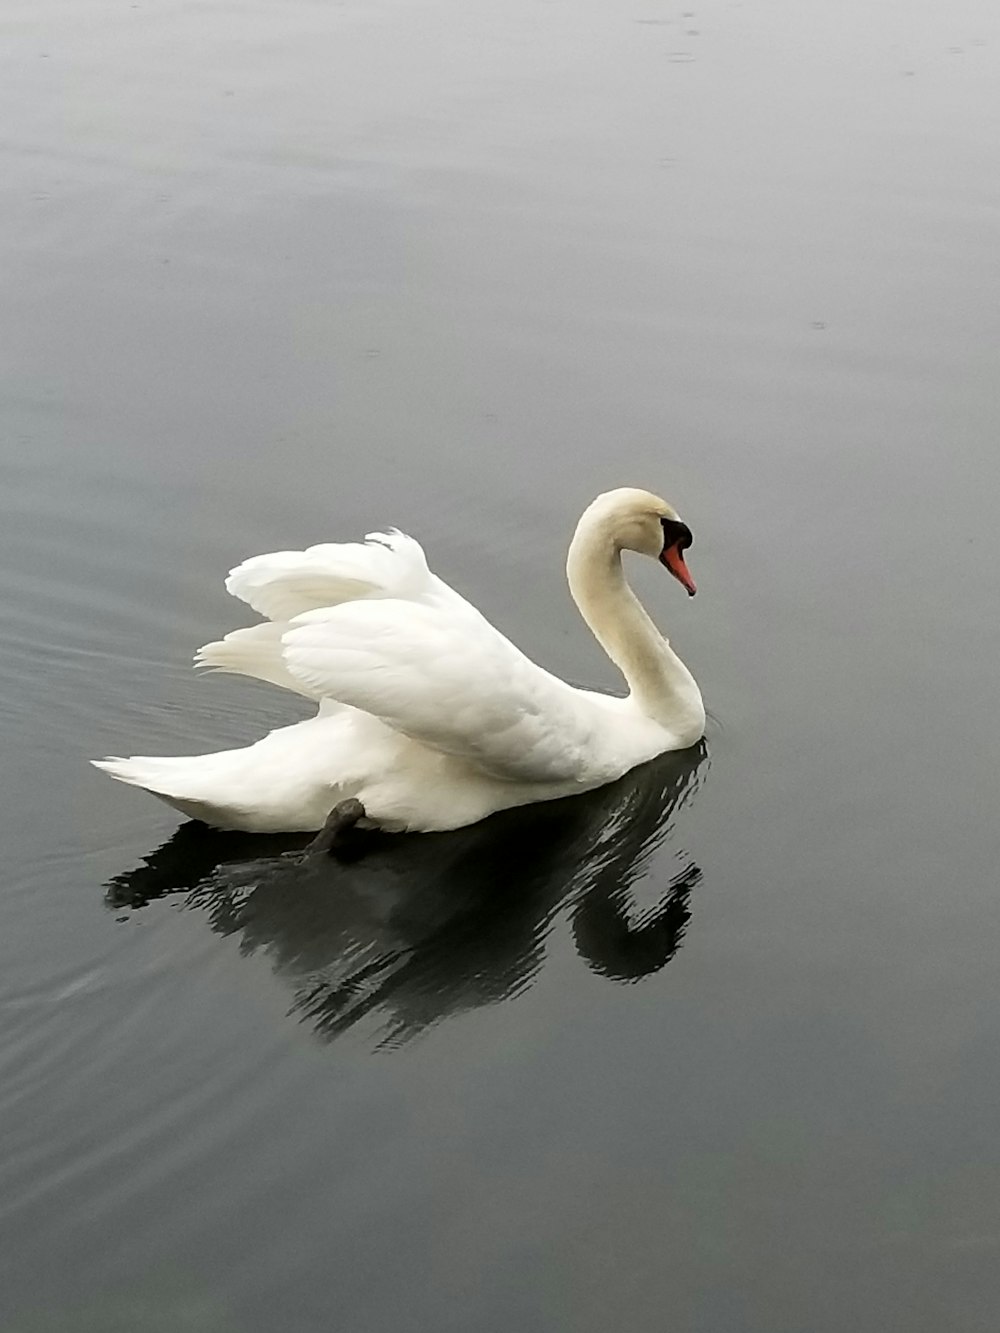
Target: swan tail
[211, 788]
[253, 652]
[280, 784]
[165, 778]
[141, 771]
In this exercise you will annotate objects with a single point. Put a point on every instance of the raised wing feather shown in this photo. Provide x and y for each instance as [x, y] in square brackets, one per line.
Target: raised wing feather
[285, 584]
[255, 652]
[451, 681]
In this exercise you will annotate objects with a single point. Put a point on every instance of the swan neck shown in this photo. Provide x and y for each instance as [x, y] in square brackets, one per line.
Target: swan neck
[659, 683]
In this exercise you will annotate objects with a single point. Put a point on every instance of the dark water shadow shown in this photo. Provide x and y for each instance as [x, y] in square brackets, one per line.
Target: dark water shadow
[427, 926]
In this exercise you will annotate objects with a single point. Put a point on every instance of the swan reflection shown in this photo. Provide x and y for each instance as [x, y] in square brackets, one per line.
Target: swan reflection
[427, 926]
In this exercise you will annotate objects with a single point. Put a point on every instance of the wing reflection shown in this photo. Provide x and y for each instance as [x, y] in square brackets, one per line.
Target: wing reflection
[425, 927]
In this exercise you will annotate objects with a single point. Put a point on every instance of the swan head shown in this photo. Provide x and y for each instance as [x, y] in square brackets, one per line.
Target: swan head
[636, 520]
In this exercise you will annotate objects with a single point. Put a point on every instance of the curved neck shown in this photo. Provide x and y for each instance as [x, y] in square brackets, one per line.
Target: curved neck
[659, 682]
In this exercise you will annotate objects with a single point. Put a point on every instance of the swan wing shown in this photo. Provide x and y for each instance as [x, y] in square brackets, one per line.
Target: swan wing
[448, 679]
[285, 584]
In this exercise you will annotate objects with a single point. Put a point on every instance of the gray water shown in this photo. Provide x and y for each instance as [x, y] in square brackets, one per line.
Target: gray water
[714, 1050]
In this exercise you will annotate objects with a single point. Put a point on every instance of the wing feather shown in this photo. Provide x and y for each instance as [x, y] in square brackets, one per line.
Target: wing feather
[446, 679]
[284, 584]
[368, 625]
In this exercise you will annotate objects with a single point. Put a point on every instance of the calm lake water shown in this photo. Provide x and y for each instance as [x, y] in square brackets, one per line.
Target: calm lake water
[712, 1051]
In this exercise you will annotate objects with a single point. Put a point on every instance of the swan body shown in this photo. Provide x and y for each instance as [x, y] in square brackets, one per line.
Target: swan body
[427, 714]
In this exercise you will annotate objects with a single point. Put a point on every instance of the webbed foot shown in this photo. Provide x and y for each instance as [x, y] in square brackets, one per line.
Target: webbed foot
[341, 819]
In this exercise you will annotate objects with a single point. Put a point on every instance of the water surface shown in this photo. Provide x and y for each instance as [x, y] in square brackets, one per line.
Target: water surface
[713, 1049]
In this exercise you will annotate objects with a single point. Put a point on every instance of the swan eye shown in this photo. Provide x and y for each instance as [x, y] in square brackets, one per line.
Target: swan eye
[675, 533]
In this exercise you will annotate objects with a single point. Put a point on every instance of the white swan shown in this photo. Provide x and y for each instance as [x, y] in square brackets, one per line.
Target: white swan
[429, 716]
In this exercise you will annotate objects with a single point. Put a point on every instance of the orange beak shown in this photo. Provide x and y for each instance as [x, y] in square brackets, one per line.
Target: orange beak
[673, 558]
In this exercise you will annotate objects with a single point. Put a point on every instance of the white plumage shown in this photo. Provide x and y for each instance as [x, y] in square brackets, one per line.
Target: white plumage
[427, 714]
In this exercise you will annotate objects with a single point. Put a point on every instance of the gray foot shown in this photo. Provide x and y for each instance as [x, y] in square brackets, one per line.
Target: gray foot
[340, 819]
